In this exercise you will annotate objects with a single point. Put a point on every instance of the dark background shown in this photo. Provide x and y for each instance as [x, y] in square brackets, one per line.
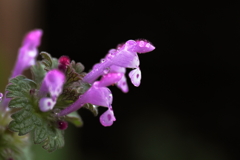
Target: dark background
[187, 105]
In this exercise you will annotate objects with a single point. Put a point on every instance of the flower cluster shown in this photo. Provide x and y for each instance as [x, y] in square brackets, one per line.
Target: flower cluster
[46, 103]
[112, 69]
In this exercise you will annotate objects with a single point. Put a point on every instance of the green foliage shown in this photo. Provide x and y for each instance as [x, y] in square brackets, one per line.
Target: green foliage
[29, 119]
[75, 119]
[48, 62]
[73, 73]
[38, 72]
[92, 108]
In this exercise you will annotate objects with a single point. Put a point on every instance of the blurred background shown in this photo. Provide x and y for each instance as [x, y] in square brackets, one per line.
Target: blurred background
[187, 105]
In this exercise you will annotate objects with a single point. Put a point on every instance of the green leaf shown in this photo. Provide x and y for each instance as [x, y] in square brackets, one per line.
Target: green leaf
[15, 80]
[92, 108]
[54, 63]
[22, 123]
[19, 86]
[78, 67]
[54, 141]
[38, 72]
[75, 119]
[47, 60]
[29, 119]
[72, 75]
[69, 94]
[18, 102]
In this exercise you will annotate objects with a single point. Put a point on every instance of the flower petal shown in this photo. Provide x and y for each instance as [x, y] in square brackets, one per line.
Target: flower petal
[100, 96]
[46, 104]
[143, 46]
[122, 84]
[109, 79]
[135, 76]
[53, 83]
[107, 118]
[28, 52]
[125, 58]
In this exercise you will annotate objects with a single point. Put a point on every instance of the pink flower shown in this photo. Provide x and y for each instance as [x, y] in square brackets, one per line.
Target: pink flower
[46, 104]
[98, 94]
[125, 56]
[107, 118]
[28, 52]
[52, 84]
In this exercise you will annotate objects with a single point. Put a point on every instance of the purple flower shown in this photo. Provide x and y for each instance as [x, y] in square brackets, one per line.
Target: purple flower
[98, 94]
[112, 69]
[122, 83]
[26, 56]
[28, 52]
[135, 76]
[52, 84]
[124, 56]
[46, 104]
[107, 118]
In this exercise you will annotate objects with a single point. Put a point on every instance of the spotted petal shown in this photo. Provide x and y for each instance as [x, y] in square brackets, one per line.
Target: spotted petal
[135, 76]
[107, 118]
[53, 83]
[46, 104]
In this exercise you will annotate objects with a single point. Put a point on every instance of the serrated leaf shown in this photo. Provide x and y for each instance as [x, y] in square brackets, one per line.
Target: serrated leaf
[19, 89]
[15, 80]
[47, 60]
[14, 91]
[92, 108]
[75, 119]
[28, 118]
[18, 102]
[40, 134]
[38, 72]
[22, 122]
[55, 140]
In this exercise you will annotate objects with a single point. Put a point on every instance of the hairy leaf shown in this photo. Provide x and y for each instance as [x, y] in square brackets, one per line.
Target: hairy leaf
[29, 119]
[38, 72]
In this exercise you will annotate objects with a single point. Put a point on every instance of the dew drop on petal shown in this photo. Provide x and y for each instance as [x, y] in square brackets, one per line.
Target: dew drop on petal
[106, 70]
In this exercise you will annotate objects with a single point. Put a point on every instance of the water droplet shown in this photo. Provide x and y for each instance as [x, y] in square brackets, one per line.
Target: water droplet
[106, 70]
[102, 60]
[1, 96]
[110, 97]
[56, 111]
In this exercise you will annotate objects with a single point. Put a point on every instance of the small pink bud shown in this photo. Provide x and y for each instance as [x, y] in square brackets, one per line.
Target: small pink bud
[62, 125]
[64, 61]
